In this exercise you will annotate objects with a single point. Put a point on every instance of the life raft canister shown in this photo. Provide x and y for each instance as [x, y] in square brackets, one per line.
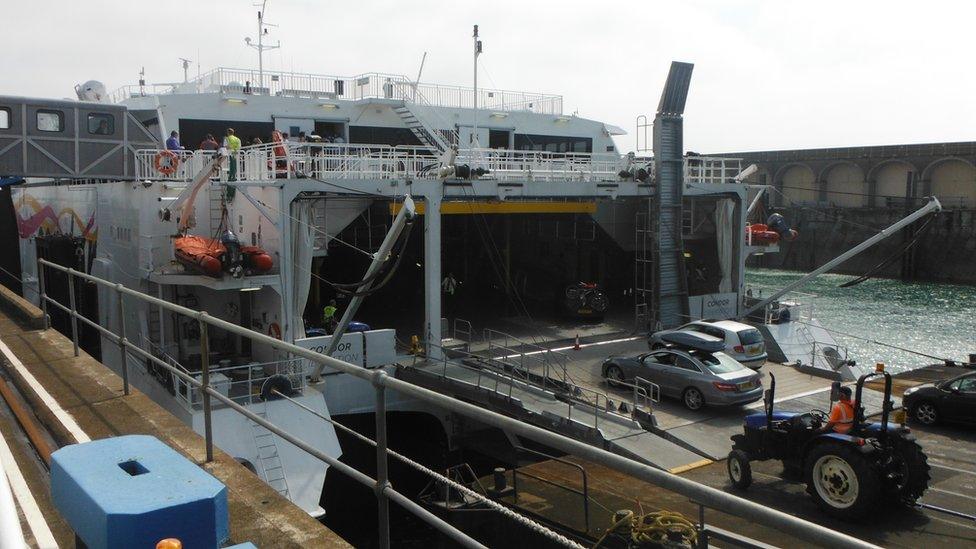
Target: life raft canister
[172, 161]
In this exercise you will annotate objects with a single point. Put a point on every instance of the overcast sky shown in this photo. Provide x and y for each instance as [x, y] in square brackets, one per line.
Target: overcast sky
[768, 74]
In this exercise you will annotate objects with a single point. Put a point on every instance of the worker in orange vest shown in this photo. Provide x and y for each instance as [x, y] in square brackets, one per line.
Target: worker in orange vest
[842, 414]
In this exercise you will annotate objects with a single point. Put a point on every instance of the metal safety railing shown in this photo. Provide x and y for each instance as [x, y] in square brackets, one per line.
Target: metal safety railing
[381, 381]
[353, 88]
[711, 169]
[271, 161]
[584, 493]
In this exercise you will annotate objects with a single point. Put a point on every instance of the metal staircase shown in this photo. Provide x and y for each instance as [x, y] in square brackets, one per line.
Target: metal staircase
[268, 458]
[426, 134]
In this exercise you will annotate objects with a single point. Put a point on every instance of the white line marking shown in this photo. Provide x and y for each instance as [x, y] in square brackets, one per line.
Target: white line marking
[63, 416]
[582, 346]
[964, 471]
[951, 493]
[35, 519]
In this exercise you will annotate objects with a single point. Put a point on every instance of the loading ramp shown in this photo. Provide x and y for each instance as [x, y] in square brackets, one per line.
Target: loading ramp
[528, 394]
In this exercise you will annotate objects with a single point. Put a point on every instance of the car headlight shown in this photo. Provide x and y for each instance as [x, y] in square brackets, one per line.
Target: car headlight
[910, 390]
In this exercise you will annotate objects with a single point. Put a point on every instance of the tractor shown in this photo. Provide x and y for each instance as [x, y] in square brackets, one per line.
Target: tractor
[847, 474]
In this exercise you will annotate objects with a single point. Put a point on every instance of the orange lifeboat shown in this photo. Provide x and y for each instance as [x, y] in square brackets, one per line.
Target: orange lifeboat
[207, 256]
[759, 234]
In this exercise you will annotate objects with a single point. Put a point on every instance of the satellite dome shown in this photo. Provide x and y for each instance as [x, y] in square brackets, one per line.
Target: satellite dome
[93, 90]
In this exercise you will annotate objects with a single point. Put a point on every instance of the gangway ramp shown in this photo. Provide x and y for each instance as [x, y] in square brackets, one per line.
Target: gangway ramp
[591, 418]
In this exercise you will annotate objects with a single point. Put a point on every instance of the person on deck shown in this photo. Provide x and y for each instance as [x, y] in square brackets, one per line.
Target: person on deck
[233, 144]
[209, 143]
[173, 143]
[449, 287]
[329, 316]
[842, 414]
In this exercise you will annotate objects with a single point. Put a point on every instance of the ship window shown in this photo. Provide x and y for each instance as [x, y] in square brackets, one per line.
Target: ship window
[553, 143]
[4, 118]
[101, 124]
[50, 121]
[339, 86]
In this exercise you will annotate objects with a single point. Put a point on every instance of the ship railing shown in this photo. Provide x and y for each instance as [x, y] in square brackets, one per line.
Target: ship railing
[503, 164]
[271, 161]
[351, 88]
[712, 170]
[242, 383]
[381, 381]
[513, 351]
[185, 165]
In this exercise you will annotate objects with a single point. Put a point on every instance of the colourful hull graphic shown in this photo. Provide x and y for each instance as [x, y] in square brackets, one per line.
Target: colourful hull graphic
[44, 216]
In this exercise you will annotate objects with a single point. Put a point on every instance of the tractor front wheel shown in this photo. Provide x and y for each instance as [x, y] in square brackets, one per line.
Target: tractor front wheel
[740, 472]
[841, 481]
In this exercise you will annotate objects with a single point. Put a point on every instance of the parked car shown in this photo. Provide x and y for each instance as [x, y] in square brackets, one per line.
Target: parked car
[697, 377]
[951, 399]
[742, 341]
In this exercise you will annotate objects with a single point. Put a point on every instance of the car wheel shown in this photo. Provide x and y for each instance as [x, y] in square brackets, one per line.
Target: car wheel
[655, 346]
[693, 398]
[925, 413]
[740, 472]
[615, 376]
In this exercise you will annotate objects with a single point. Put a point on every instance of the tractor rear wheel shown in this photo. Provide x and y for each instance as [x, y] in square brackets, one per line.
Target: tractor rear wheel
[910, 467]
[841, 480]
[740, 472]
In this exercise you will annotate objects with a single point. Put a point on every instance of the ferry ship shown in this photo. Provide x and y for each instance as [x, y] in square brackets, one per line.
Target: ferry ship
[105, 196]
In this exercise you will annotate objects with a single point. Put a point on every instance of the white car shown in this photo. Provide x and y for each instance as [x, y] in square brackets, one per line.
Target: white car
[742, 342]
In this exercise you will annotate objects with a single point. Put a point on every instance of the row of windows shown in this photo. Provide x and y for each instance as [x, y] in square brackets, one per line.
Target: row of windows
[553, 143]
[52, 121]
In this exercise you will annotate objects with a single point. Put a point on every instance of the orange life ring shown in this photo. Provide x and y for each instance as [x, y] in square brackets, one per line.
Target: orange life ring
[274, 330]
[169, 168]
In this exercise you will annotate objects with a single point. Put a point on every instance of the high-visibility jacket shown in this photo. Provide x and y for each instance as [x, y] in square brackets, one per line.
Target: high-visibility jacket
[328, 312]
[842, 416]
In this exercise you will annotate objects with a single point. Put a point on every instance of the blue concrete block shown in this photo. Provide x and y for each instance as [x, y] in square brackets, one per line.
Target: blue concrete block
[132, 491]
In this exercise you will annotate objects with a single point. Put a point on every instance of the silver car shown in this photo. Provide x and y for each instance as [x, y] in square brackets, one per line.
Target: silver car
[696, 377]
[743, 342]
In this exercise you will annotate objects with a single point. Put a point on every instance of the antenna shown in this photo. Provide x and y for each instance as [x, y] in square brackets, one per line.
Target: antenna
[186, 69]
[262, 32]
[477, 52]
[142, 81]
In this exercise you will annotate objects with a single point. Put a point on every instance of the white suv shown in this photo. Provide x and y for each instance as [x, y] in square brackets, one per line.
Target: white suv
[742, 342]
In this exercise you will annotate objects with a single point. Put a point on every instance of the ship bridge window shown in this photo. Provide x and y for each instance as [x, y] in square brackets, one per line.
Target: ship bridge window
[101, 123]
[553, 143]
[50, 121]
[4, 118]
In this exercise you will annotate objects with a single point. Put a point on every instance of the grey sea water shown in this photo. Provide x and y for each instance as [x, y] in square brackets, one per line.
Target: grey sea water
[936, 319]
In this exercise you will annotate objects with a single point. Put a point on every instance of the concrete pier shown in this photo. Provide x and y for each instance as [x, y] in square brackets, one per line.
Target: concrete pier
[78, 398]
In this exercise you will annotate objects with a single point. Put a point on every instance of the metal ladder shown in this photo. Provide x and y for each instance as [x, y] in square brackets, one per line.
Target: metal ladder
[320, 238]
[216, 207]
[268, 459]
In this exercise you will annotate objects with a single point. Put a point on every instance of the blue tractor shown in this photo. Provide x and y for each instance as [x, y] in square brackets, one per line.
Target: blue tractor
[847, 474]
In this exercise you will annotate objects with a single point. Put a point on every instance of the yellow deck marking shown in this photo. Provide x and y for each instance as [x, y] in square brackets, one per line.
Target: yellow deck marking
[690, 466]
